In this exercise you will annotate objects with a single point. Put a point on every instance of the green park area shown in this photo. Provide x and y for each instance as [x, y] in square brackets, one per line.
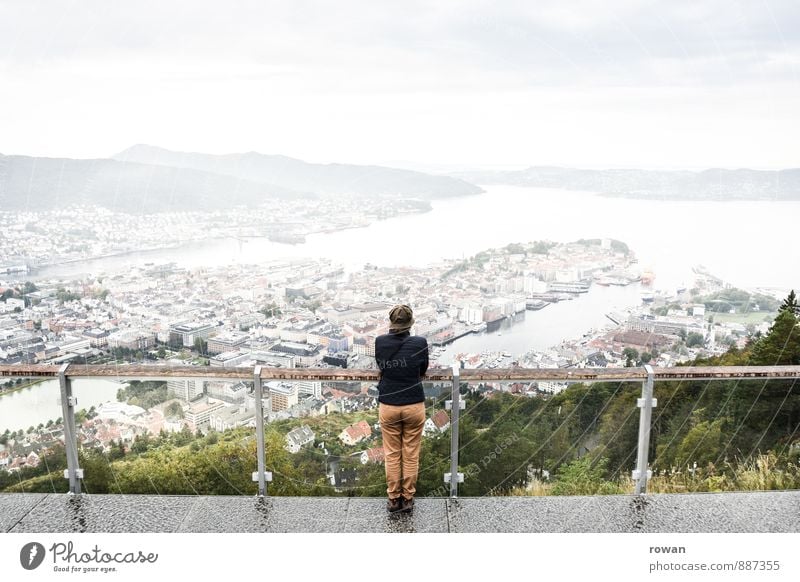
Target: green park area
[754, 317]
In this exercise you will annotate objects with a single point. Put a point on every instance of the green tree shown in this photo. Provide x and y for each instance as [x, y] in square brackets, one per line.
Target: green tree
[201, 346]
[116, 451]
[790, 304]
[184, 437]
[631, 356]
[271, 310]
[174, 409]
[781, 344]
[65, 296]
[141, 443]
[694, 339]
[80, 417]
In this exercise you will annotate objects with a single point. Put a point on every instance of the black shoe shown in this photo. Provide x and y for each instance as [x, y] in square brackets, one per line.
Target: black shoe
[408, 504]
[394, 505]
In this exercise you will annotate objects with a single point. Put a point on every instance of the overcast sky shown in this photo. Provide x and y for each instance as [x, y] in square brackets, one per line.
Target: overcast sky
[621, 83]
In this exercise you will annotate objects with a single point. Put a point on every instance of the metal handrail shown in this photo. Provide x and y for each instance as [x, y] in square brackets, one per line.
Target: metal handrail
[135, 371]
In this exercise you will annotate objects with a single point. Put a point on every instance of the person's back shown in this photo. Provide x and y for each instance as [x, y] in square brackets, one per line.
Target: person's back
[403, 360]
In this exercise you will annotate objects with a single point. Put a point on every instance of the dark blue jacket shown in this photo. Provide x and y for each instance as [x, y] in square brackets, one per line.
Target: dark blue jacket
[402, 367]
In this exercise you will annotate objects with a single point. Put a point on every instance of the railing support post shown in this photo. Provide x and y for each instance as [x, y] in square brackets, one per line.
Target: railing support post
[68, 402]
[455, 405]
[261, 475]
[646, 404]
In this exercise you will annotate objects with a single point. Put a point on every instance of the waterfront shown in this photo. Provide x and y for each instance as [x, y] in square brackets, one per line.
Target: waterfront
[542, 329]
[41, 402]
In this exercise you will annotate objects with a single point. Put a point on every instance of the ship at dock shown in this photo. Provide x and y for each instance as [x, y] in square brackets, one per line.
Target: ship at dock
[573, 287]
[549, 297]
[451, 334]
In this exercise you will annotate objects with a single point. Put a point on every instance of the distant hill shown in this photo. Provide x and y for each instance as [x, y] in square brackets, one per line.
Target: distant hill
[713, 184]
[296, 174]
[28, 183]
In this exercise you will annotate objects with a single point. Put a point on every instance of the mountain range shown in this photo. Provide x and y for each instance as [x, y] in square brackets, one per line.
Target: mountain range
[302, 176]
[712, 184]
[145, 179]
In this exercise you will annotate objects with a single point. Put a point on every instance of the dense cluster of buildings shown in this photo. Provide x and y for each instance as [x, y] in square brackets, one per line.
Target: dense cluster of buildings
[309, 313]
[299, 313]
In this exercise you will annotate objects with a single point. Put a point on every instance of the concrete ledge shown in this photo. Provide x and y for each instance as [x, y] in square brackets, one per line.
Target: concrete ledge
[771, 511]
[774, 511]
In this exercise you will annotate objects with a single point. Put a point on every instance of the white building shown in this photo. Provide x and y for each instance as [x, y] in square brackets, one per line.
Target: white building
[185, 333]
[226, 342]
[199, 413]
[186, 389]
[299, 437]
[132, 339]
[471, 314]
[230, 418]
[551, 387]
[312, 387]
[119, 411]
[228, 391]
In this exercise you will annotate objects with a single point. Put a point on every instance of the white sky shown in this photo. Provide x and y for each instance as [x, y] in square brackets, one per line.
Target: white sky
[618, 83]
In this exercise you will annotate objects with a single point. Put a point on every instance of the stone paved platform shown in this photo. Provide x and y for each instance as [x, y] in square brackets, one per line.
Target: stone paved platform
[773, 511]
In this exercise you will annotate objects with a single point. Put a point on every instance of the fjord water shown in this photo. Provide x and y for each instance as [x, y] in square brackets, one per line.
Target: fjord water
[747, 243]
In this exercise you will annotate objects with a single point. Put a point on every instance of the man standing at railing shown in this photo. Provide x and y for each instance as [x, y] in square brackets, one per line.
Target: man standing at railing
[403, 360]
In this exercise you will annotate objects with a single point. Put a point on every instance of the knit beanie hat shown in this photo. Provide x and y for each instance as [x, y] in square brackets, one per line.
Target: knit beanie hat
[401, 318]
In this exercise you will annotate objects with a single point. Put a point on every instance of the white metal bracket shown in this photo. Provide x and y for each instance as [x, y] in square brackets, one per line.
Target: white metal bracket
[267, 476]
[459, 477]
[462, 404]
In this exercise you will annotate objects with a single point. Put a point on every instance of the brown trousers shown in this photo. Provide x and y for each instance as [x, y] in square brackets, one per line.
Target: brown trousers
[401, 427]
